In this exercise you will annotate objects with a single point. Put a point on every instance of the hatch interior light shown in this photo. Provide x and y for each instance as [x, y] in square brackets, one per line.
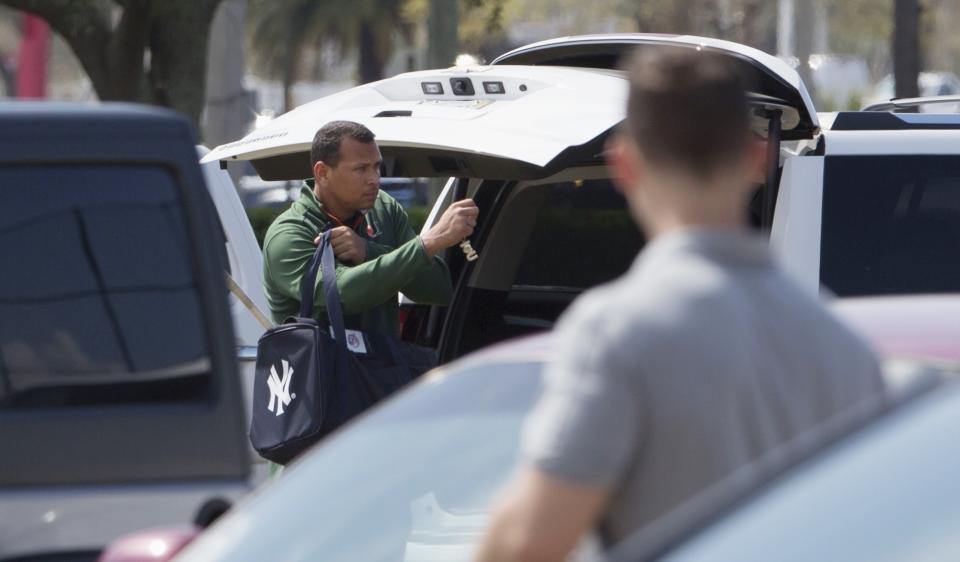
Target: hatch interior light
[432, 88]
[494, 88]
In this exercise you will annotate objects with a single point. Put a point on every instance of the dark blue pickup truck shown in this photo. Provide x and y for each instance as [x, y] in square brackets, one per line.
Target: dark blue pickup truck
[120, 402]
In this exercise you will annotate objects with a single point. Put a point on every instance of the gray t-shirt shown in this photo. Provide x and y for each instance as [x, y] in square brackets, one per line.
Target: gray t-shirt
[699, 359]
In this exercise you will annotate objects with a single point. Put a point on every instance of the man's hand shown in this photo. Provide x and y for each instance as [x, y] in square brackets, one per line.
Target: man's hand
[347, 245]
[456, 223]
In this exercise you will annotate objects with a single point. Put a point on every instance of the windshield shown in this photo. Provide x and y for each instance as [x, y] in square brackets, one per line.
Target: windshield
[412, 481]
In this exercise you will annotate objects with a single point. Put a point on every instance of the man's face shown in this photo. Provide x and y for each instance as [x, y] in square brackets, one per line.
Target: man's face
[354, 182]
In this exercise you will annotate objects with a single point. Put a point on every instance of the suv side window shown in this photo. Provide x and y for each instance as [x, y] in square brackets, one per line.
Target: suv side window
[891, 225]
[98, 300]
[583, 235]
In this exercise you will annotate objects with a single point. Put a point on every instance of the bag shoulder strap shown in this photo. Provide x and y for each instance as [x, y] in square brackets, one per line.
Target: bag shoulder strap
[323, 261]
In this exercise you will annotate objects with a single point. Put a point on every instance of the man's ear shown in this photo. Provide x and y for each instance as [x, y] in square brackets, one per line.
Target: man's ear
[623, 159]
[320, 171]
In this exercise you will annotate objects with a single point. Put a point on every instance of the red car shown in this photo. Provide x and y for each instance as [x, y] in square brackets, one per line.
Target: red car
[443, 447]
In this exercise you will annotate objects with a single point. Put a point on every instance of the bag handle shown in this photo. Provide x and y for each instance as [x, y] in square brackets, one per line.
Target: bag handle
[324, 261]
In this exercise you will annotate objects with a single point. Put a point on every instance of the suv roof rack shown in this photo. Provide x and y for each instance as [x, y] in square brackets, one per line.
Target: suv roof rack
[885, 121]
[909, 103]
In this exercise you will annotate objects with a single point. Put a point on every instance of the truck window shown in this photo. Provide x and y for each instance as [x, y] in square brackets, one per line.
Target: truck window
[98, 300]
[891, 225]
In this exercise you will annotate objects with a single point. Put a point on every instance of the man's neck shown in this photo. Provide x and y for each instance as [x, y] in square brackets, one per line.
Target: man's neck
[684, 217]
[675, 208]
[333, 208]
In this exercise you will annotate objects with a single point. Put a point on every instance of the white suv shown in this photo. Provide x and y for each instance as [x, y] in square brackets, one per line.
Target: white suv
[852, 208]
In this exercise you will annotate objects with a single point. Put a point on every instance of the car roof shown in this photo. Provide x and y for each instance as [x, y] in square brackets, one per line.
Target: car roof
[885, 120]
[928, 142]
[45, 113]
[44, 131]
[923, 327]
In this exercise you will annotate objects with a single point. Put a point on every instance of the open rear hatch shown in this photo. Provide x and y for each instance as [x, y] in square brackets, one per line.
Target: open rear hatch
[486, 122]
[769, 77]
[538, 109]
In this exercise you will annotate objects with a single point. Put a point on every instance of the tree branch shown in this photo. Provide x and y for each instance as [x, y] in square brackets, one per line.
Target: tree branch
[51, 10]
[84, 25]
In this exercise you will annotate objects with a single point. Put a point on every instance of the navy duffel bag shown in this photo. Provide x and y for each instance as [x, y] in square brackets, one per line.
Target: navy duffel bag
[311, 379]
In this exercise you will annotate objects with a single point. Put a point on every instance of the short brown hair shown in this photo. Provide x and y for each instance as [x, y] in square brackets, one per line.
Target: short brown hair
[686, 108]
[326, 143]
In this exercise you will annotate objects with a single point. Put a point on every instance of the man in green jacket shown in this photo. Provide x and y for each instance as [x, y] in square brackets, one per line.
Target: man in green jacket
[378, 253]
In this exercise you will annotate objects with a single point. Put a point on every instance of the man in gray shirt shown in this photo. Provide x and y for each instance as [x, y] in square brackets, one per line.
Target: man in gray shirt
[698, 360]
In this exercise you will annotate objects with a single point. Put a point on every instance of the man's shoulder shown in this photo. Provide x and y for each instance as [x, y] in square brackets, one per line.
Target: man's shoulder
[290, 225]
[631, 299]
[642, 309]
[387, 206]
[606, 318]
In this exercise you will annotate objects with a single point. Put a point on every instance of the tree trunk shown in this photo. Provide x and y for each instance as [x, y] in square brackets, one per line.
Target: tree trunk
[752, 28]
[371, 59]
[804, 21]
[85, 26]
[681, 17]
[228, 112]
[177, 73]
[443, 41]
[113, 50]
[8, 80]
[906, 48]
[124, 53]
[288, 79]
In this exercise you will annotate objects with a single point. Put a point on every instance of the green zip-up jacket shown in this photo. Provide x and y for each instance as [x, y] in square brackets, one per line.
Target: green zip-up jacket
[396, 262]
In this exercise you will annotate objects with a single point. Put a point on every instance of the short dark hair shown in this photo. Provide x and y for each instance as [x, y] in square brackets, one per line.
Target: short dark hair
[686, 108]
[326, 143]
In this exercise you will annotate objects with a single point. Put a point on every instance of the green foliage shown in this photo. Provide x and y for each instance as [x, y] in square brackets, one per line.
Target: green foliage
[283, 32]
[826, 103]
[855, 101]
[260, 219]
[862, 28]
[417, 216]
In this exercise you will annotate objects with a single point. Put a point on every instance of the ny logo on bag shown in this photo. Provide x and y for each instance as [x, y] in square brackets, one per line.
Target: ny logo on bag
[280, 388]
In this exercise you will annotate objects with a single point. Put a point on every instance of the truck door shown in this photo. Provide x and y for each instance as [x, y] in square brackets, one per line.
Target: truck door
[117, 360]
